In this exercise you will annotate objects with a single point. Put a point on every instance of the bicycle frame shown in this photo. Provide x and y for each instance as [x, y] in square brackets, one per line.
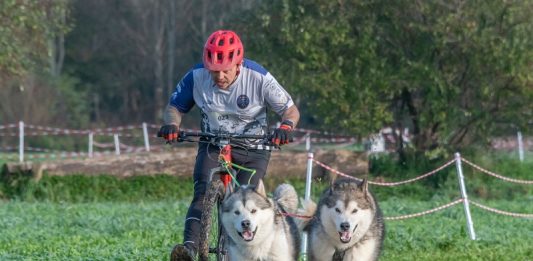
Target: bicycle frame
[225, 151]
[225, 155]
[218, 190]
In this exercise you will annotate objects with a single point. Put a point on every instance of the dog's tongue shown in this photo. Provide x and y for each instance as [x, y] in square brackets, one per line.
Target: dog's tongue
[345, 236]
[247, 235]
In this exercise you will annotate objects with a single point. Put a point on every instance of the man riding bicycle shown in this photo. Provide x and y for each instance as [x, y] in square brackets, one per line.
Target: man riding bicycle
[233, 94]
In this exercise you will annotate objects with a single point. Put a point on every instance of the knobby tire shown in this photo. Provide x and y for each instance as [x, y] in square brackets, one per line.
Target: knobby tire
[213, 196]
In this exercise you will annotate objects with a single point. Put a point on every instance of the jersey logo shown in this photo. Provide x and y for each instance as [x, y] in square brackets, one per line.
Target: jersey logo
[243, 101]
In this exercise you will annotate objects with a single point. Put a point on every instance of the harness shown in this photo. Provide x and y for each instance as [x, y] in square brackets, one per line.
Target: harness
[338, 255]
[287, 214]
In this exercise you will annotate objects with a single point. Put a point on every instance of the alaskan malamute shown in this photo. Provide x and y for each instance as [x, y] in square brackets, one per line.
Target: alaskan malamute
[257, 227]
[347, 225]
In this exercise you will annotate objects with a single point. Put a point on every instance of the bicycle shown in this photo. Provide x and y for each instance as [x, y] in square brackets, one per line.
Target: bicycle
[223, 181]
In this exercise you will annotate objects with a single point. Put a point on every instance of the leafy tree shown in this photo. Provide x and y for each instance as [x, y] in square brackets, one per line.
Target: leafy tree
[131, 53]
[31, 58]
[26, 29]
[447, 70]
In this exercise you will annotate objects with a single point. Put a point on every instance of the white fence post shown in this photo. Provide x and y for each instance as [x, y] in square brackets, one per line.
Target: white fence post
[520, 146]
[307, 196]
[460, 176]
[91, 144]
[145, 134]
[308, 142]
[117, 144]
[21, 141]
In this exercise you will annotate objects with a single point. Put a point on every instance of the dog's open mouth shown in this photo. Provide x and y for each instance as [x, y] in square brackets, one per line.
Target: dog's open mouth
[346, 236]
[248, 235]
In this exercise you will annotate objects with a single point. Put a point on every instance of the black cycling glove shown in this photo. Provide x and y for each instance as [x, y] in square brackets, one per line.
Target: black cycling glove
[283, 134]
[169, 132]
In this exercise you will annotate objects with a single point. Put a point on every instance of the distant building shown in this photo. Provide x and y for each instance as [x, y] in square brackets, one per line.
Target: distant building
[385, 140]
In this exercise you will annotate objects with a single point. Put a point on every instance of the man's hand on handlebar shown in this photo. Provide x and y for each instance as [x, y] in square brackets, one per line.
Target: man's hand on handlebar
[283, 134]
[169, 132]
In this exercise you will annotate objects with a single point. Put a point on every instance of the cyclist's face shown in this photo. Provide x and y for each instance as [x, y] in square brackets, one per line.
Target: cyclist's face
[223, 79]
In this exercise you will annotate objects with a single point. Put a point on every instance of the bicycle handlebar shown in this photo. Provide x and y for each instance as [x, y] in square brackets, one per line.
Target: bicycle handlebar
[223, 135]
[266, 138]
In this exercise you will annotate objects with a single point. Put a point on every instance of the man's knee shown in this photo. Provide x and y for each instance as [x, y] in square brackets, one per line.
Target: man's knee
[200, 188]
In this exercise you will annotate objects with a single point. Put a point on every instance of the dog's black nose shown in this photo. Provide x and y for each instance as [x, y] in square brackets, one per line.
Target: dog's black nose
[345, 226]
[245, 224]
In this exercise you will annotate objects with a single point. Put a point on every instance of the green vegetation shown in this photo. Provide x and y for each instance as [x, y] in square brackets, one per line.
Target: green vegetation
[98, 231]
[443, 235]
[141, 218]
[444, 184]
[101, 188]
[452, 73]
[448, 71]
[28, 29]
[148, 230]
[455, 73]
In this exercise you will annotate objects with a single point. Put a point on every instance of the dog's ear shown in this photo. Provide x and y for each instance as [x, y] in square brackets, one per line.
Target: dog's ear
[332, 183]
[260, 189]
[331, 187]
[364, 186]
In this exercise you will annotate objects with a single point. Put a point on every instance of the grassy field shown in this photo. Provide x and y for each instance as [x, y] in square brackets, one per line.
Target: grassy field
[147, 231]
[79, 217]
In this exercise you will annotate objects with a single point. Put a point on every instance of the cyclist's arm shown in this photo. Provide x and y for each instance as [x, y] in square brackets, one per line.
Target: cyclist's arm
[280, 101]
[292, 114]
[171, 115]
[181, 100]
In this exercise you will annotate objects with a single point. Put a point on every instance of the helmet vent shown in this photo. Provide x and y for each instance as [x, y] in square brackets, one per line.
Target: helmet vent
[221, 42]
[231, 40]
[231, 55]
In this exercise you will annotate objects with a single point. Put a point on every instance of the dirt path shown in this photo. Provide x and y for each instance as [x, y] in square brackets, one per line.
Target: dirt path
[181, 162]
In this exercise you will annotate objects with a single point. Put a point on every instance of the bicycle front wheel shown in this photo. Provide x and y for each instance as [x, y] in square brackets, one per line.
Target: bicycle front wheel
[212, 236]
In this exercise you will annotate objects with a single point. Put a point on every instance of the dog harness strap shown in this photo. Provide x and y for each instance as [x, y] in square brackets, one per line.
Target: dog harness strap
[338, 255]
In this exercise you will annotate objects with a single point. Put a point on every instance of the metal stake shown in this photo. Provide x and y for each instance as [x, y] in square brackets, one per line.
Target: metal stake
[469, 222]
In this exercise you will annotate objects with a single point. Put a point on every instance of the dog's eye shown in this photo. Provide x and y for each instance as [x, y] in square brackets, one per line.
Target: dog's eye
[253, 211]
[337, 210]
[354, 211]
[237, 212]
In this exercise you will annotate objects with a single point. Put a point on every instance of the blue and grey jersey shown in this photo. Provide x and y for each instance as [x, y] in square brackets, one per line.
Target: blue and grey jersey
[242, 108]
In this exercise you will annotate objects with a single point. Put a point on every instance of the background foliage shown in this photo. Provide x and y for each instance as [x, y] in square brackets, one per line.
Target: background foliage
[449, 71]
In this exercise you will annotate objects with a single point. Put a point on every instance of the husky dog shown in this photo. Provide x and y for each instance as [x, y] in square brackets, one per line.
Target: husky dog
[347, 224]
[257, 226]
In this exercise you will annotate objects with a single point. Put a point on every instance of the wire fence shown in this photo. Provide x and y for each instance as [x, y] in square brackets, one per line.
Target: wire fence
[101, 142]
[138, 138]
[426, 212]
[490, 173]
[464, 199]
[388, 184]
[305, 137]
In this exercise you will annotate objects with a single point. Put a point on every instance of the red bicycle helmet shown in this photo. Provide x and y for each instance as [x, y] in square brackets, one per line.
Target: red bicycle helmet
[222, 50]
